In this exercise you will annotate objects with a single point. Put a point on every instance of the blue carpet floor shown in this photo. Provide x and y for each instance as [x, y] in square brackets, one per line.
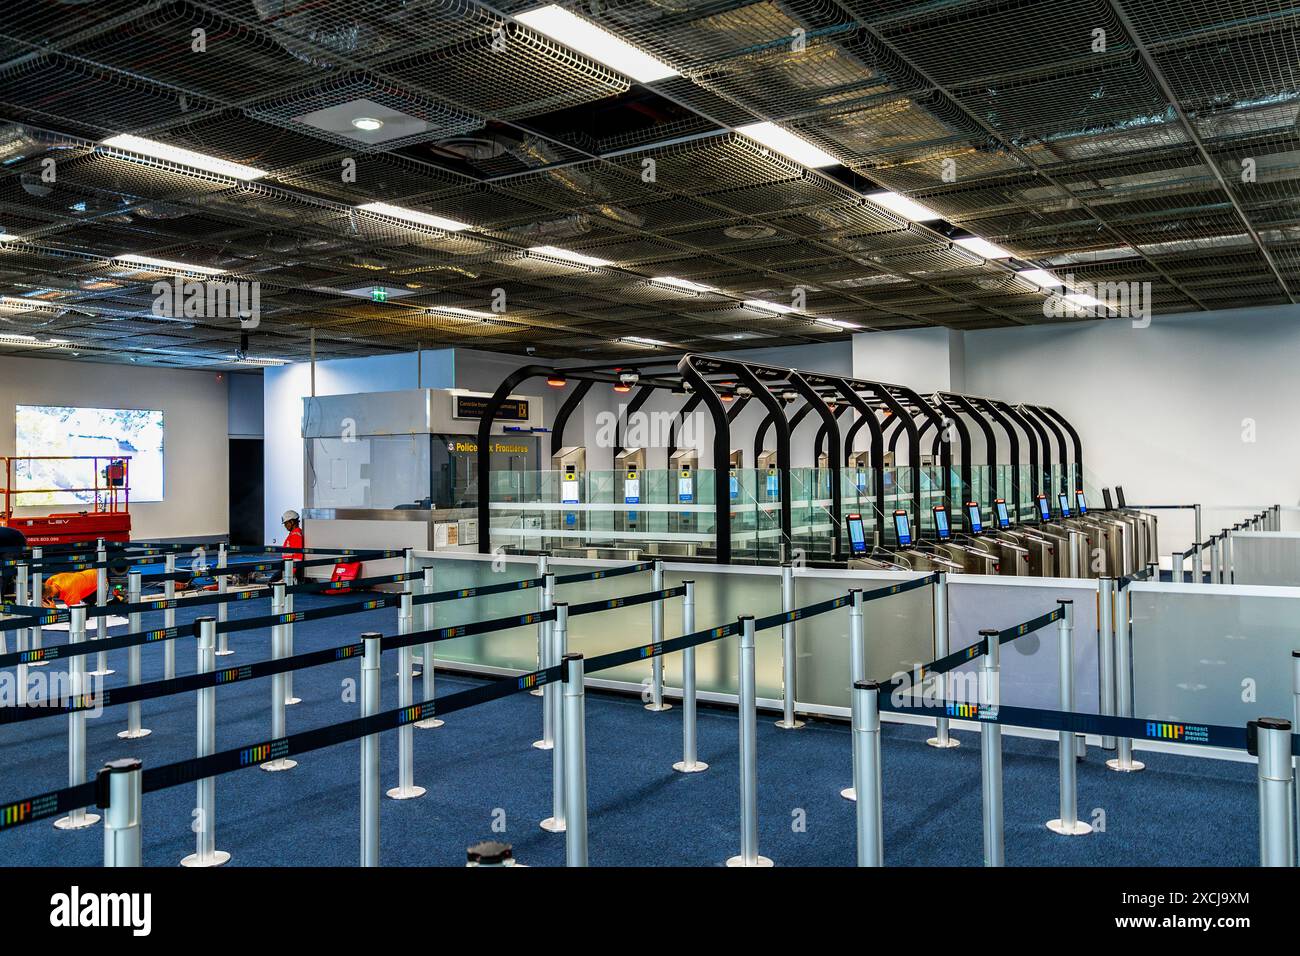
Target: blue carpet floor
[481, 771]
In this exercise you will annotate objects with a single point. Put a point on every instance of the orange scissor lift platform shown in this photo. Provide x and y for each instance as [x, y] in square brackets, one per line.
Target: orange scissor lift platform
[107, 516]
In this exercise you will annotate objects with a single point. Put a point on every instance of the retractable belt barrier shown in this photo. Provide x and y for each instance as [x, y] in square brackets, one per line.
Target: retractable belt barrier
[954, 660]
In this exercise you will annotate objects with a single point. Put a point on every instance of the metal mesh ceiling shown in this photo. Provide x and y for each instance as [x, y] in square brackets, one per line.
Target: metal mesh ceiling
[1114, 140]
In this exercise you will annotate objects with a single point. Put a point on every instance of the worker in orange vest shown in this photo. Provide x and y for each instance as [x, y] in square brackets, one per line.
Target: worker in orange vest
[78, 587]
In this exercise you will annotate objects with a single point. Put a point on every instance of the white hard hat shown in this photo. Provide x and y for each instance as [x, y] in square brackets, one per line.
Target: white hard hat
[289, 515]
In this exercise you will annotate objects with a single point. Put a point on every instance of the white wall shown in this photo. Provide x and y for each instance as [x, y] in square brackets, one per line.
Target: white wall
[1194, 408]
[194, 407]
[925, 360]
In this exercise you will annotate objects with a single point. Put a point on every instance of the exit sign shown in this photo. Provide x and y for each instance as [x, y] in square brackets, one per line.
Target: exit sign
[379, 295]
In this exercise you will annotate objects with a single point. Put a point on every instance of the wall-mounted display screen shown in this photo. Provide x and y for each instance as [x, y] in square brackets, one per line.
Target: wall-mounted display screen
[64, 430]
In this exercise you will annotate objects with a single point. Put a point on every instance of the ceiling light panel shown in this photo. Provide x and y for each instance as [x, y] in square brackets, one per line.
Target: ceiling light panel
[183, 157]
[585, 37]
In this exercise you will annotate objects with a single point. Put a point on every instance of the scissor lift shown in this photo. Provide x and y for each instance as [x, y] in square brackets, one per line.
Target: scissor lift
[107, 516]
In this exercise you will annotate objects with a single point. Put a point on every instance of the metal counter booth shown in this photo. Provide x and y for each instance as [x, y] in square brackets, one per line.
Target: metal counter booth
[399, 469]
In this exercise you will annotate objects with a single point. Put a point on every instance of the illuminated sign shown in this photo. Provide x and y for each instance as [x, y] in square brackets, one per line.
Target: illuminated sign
[475, 406]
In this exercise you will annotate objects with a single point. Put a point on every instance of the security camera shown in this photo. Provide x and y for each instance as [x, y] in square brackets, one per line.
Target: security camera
[530, 350]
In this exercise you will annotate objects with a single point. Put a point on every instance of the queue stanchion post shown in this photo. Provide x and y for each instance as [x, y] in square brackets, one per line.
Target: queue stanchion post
[941, 738]
[409, 585]
[133, 724]
[1214, 559]
[426, 656]
[22, 635]
[101, 603]
[36, 636]
[223, 587]
[557, 821]
[1269, 739]
[77, 819]
[657, 703]
[1106, 652]
[370, 751]
[789, 665]
[867, 772]
[1068, 823]
[406, 788]
[545, 600]
[857, 662]
[1123, 761]
[277, 684]
[543, 565]
[689, 762]
[748, 720]
[290, 578]
[205, 814]
[120, 785]
[169, 617]
[575, 761]
[990, 696]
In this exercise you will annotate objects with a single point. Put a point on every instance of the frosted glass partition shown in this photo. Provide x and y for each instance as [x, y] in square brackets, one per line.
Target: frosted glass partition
[1266, 557]
[1213, 653]
[1030, 664]
[898, 630]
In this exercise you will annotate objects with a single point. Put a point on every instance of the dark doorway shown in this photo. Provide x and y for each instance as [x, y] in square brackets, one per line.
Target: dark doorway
[246, 491]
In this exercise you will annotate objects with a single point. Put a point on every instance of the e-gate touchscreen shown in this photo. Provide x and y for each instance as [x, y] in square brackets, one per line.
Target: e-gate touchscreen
[1081, 502]
[857, 534]
[1004, 519]
[903, 527]
[942, 530]
[1064, 501]
[1044, 509]
[974, 521]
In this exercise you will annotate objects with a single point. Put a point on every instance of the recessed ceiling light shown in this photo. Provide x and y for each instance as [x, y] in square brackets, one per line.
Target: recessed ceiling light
[411, 215]
[686, 284]
[766, 306]
[185, 157]
[788, 144]
[166, 265]
[982, 248]
[368, 123]
[554, 252]
[1040, 277]
[904, 206]
[596, 42]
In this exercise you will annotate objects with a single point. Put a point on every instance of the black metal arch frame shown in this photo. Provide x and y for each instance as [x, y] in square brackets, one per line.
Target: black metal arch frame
[887, 411]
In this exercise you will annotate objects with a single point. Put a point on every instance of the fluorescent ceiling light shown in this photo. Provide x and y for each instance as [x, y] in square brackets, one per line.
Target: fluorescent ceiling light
[982, 248]
[1087, 301]
[167, 265]
[788, 144]
[641, 340]
[904, 207]
[1040, 277]
[455, 310]
[768, 306]
[596, 42]
[838, 324]
[411, 215]
[256, 361]
[7, 237]
[368, 123]
[554, 252]
[8, 336]
[185, 157]
[686, 284]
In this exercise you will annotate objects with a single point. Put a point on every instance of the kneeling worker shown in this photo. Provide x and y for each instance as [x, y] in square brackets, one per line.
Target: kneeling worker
[77, 587]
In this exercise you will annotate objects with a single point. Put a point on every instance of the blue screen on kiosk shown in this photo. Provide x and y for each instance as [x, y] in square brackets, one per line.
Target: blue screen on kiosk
[1044, 509]
[1004, 519]
[1065, 504]
[941, 523]
[857, 535]
[903, 528]
[1082, 502]
[974, 518]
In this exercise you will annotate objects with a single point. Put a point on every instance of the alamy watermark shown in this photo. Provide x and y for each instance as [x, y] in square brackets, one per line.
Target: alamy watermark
[1101, 300]
[192, 299]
